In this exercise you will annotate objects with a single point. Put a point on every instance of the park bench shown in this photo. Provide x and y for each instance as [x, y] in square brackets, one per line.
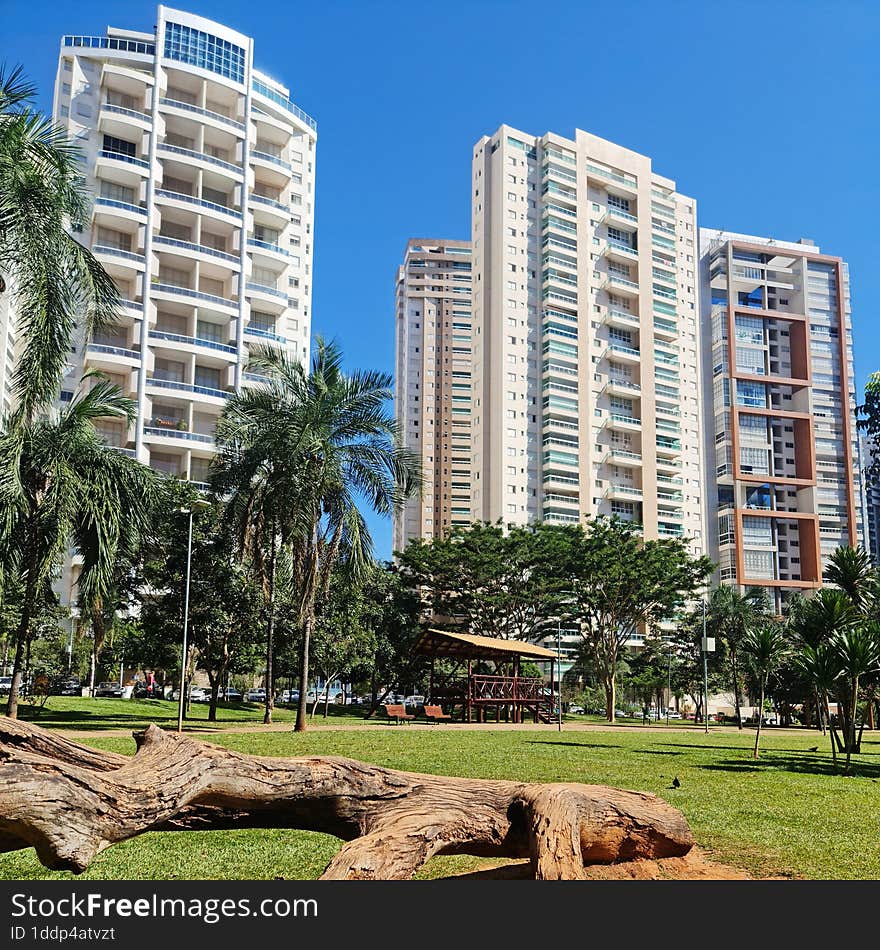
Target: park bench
[398, 713]
[435, 714]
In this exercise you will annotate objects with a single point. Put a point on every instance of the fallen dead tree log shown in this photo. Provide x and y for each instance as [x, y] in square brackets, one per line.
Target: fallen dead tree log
[69, 803]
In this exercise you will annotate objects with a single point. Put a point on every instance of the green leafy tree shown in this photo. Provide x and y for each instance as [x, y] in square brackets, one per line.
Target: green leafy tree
[730, 616]
[62, 486]
[617, 584]
[858, 653]
[53, 280]
[224, 605]
[491, 581]
[299, 457]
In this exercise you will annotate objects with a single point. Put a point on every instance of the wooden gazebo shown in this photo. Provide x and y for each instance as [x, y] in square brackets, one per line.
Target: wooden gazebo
[472, 694]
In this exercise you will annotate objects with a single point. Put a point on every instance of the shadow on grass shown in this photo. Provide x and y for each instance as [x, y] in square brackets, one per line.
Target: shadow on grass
[808, 763]
[574, 745]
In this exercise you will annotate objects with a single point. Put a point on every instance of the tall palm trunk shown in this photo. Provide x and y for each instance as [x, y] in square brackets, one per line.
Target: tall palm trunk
[270, 632]
[739, 718]
[851, 725]
[22, 636]
[760, 719]
[308, 614]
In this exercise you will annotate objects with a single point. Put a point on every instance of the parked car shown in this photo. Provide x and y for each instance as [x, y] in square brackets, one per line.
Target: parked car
[256, 695]
[199, 695]
[414, 702]
[231, 695]
[67, 686]
[287, 697]
[576, 709]
[672, 714]
[107, 688]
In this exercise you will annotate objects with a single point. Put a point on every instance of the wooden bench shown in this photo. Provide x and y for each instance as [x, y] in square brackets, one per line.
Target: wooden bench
[398, 713]
[435, 714]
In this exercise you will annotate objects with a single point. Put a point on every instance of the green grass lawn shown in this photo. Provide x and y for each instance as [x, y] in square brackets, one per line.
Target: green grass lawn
[786, 814]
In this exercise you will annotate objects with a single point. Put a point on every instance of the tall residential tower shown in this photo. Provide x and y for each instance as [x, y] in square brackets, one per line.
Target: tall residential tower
[586, 338]
[203, 174]
[783, 471]
[433, 383]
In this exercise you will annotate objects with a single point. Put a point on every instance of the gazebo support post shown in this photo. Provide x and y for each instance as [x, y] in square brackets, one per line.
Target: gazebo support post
[470, 688]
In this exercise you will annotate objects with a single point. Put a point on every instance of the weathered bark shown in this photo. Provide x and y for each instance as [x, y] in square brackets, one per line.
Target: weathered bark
[70, 803]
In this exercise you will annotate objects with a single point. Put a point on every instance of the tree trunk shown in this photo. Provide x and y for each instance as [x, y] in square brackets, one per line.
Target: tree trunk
[610, 686]
[304, 673]
[851, 725]
[760, 721]
[70, 803]
[212, 707]
[270, 632]
[739, 718]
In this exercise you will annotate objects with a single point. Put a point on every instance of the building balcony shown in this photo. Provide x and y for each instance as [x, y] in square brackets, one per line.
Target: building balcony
[196, 251]
[552, 223]
[555, 478]
[175, 436]
[623, 493]
[669, 530]
[265, 335]
[191, 203]
[615, 317]
[620, 215]
[622, 352]
[105, 354]
[118, 255]
[665, 329]
[668, 447]
[121, 122]
[604, 175]
[116, 160]
[620, 251]
[194, 344]
[273, 251]
[275, 212]
[557, 499]
[118, 209]
[202, 160]
[666, 463]
[669, 497]
[190, 111]
[561, 516]
[621, 387]
[617, 420]
[628, 287]
[228, 306]
[208, 392]
[622, 457]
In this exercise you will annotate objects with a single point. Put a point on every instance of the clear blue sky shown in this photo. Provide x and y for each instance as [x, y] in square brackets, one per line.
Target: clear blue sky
[766, 112]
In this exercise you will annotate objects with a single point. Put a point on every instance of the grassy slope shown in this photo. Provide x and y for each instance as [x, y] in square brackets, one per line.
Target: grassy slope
[785, 814]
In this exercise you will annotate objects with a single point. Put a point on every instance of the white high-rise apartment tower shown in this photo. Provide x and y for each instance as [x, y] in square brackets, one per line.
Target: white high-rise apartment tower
[433, 384]
[586, 338]
[203, 172]
[784, 484]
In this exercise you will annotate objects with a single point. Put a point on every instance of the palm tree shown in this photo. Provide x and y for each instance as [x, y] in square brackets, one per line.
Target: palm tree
[731, 615]
[54, 281]
[821, 666]
[851, 570]
[858, 652]
[61, 485]
[766, 647]
[299, 456]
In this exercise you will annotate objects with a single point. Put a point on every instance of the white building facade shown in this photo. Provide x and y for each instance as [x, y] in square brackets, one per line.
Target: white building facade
[203, 173]
[433, 384]
[586, 337]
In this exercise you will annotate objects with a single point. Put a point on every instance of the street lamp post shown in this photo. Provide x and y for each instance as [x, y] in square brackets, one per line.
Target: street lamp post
[559, 669]
[705, 645]
[197, 504]
[669, 685]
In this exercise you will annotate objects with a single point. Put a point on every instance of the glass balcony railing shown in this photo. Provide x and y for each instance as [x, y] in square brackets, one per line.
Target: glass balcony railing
[623, 248]
[623, 215]
[111, 43]
[121, 110]
[274, 159]
[118, 252]
[264, 334]
[268, 246]
[172, 433]
[619, 418]
[612, 176]
[270, 202]
[122, 157]
[284, 102]
[624, 350]
[201, 157]
[195, 294]
[162, 240]
[190, 199]
[192, 340]
[216, 116]
[114, 350]
[187, 387]
[120, 206]
[265, 289]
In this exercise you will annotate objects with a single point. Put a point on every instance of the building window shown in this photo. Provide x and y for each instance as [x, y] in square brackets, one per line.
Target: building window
[188, 45]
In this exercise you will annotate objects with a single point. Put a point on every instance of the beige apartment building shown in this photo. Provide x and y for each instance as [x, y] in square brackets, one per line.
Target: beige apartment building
[783, 460]
[433, 383]
[586, 367]
[203, 173]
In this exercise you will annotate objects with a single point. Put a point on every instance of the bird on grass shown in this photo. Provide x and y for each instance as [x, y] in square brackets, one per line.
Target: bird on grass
[676, 783]
[813, 748]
